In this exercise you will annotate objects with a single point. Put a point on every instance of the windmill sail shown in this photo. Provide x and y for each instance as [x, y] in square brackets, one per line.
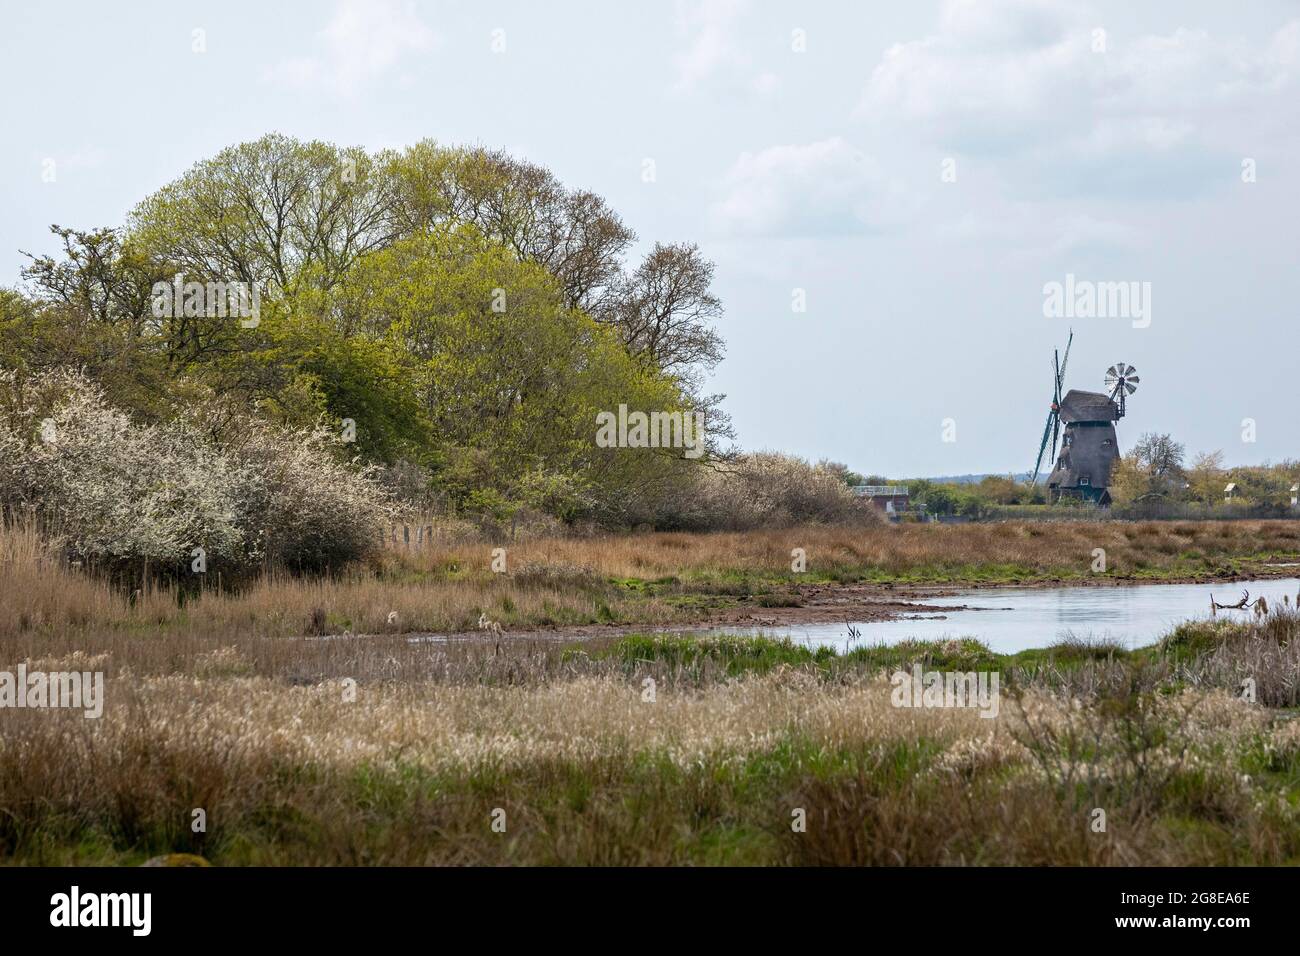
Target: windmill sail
[1052, 429]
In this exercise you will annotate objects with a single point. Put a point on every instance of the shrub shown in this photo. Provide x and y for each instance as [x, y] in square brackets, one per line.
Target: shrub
[770, 490]
[122, 494]
[300, 506]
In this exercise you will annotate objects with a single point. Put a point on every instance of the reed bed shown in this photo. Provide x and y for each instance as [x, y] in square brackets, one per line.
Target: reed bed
[651, 579]
[906, 550]
[589, 770]
[307, 741]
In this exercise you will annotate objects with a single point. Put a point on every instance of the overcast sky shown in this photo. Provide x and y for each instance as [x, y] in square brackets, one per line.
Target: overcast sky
[804, 146]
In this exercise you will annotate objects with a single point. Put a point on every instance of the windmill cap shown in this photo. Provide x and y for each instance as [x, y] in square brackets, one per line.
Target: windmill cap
[1078, 406]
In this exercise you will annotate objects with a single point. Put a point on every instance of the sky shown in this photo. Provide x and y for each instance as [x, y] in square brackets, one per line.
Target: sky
[887, 189]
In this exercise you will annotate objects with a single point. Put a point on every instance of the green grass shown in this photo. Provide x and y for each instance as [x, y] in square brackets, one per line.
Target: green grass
[735, 655]
[962, 654]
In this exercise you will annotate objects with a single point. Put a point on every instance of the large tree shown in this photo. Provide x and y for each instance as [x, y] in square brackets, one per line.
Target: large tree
[1206, 477]
[500, 363]
[1154, 467]
[665, 311]
[573, 234]
[268, 212]
[280, 213]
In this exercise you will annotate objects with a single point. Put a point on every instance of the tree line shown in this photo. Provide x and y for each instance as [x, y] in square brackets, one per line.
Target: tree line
[458, 316]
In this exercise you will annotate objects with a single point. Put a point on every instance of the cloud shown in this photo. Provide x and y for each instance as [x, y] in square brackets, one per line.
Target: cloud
[363, 41]
[710, 31]
[1080, 111]
[711, 28]
[820, 188]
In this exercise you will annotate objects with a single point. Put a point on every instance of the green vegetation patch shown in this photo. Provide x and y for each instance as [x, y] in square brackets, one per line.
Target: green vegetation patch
[737, 655]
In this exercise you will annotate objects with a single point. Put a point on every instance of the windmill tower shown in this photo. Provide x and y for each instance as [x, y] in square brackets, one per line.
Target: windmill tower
[1089, 446]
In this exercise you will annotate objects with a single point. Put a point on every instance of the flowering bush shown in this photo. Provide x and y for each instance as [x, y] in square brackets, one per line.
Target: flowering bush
[766, 490]
[120, 493]
[302, 506]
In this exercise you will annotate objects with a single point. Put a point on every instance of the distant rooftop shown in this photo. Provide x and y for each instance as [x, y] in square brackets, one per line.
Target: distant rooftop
[880, 491]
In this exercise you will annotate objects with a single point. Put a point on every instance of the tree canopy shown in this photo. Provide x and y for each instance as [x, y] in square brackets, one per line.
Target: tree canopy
[454, 310]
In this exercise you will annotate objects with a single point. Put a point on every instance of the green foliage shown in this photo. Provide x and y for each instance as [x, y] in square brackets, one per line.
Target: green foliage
[508, 377]
[964, 654]
[735, 655]
[362, 379]
[466, 313]
[276, 212]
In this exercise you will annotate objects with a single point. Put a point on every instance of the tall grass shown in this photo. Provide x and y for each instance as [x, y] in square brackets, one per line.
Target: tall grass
[910, 551]
[652, 579]
[589, 771]
[238, 702]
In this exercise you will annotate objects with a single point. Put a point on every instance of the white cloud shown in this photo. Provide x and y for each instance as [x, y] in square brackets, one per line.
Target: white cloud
[992, 71]
[711, 27]
[820, 188]
[363, 41]
[710, 31]
[1021, 79]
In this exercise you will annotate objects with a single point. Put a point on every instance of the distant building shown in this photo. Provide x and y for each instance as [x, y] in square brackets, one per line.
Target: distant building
[891, 499]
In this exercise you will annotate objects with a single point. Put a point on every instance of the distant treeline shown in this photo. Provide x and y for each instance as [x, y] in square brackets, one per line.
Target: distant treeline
[1153, 480]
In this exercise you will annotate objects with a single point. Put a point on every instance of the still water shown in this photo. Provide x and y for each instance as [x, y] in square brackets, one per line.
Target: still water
[1010, 620]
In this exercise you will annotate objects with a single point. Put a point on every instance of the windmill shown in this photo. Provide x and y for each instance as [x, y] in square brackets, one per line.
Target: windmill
[1121, 380]
[1053, 427]
[1085, 424]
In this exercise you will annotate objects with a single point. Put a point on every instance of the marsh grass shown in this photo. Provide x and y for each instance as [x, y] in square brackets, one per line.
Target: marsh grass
[235, 702]
[588, 772]
[725, 655]
[651, 579]
[914, 553]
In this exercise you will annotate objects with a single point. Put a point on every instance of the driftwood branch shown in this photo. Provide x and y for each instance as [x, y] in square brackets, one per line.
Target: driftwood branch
[1239, 606]
[1260, 604]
